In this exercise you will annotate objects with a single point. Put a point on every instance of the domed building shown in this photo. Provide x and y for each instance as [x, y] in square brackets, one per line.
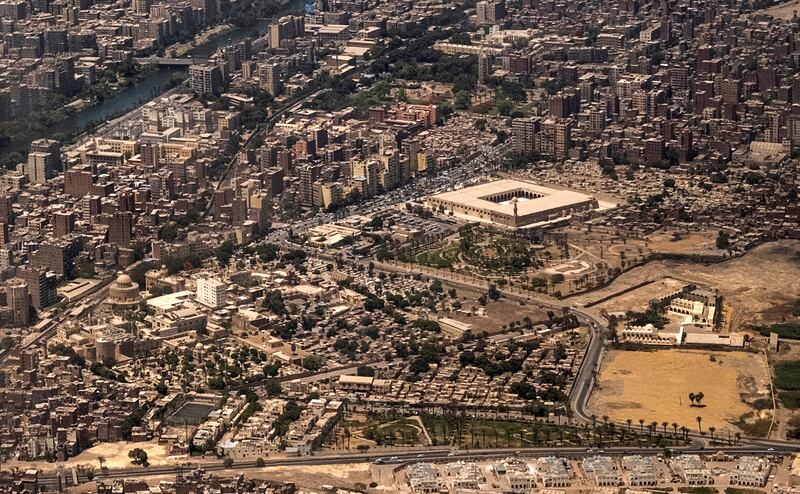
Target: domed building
[123, 293]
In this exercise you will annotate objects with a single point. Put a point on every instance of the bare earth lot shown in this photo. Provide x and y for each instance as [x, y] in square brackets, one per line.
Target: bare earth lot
[115, 455]
[497, 314]
[759, 287]
[655, 386]
[784, 10]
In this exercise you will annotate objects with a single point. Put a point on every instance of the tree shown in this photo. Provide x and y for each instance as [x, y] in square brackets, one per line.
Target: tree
[260, 462]
[138, 456]
[723, 240]
[312, 363]
[691, 398]
[227, 462]
[699, 397]
[274, 388]
[365, 371]
[699, 423]
[504, 107]
[462, 100]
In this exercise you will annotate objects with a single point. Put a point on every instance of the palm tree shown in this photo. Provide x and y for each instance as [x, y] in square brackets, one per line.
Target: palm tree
[691, 398]
[675, 428]
[738, 437]
[664, 424]
[102, 461]
[711, 430]
[699, 397]
[629, 421]
[641, 426]
[699, 423]
[594, 420]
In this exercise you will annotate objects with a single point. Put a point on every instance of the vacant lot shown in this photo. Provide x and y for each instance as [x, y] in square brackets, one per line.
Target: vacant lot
[784, 10]
[758, 288]
[639, 299]
[655, 386]
[496, 314]
[114, 455]
[675, 242]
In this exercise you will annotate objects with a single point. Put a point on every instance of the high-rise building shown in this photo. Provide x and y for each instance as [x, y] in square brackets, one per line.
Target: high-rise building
[562, 138]
[141, 6]
[287, 27]
[269, 77]
[18, 302]
[731, 90]
[78, 180]
[484, 67]
[41, 286]
[211, 292]
[63, 223]
[44, 160]
[523, 131]
[365, 174]
[490, 11]
[119, 232]
[308, 175]
[205, 78]
[13, 9]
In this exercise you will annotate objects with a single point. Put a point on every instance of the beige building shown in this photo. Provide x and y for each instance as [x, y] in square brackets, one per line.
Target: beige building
[512, 203]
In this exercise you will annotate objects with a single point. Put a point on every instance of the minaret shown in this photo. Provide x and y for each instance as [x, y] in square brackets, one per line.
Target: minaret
[514, 203]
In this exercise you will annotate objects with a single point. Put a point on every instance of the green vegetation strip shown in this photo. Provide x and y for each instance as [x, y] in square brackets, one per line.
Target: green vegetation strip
[788, 331]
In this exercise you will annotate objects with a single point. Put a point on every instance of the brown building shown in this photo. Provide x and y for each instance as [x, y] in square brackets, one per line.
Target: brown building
[41, 286]
[119, 231]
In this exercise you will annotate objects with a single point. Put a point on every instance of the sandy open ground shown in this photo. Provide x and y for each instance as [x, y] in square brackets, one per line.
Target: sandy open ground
[115, 456]
[310, 478]
[655, 386]
[685, 243]
[784, 10]
[759, 287]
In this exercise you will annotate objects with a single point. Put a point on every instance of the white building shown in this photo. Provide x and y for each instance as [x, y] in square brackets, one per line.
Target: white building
[211, 292]
[751, 471]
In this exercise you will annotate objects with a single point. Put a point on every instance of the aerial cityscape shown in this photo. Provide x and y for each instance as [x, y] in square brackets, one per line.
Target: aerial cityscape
[400, 246]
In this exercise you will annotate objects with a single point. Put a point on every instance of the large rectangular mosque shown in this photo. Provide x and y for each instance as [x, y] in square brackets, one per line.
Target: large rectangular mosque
[512, 203]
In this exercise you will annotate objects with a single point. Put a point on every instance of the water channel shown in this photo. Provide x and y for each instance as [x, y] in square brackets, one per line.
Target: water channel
[161, 79]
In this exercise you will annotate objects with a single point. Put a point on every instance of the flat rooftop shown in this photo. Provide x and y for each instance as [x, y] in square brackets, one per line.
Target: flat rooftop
[498, 197]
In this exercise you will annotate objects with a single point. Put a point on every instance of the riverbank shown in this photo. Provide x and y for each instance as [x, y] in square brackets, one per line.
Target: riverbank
[71, 120]
[183, 49]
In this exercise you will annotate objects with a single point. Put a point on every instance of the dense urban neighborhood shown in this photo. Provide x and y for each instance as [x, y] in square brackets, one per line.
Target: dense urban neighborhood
[417, 246]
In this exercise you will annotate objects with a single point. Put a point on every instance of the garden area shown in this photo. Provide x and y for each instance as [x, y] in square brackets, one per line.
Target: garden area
[787, 380]
[440, 257]
[471, 433]
[484, 252]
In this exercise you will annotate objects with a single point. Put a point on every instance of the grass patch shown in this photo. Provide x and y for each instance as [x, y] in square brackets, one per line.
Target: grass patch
[787, 330]
[697, 490]
[737, 490]
[790, 399]
[399, 432]
[438, 258]
[787, 375]
[488, 433]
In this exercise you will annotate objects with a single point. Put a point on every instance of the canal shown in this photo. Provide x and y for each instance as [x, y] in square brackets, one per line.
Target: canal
[161, 79]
